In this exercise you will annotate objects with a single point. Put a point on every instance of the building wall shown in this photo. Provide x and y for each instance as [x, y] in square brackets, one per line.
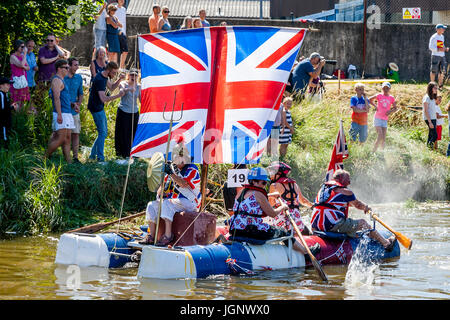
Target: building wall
[404, 44]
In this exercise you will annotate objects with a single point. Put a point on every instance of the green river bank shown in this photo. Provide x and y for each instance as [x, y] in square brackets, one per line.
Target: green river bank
[38, 196]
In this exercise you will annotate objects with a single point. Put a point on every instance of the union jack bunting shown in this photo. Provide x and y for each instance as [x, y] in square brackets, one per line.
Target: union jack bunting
[229, 83]
[340, 152]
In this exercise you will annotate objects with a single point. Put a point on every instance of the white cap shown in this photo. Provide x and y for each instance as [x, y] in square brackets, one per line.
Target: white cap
[386, 84]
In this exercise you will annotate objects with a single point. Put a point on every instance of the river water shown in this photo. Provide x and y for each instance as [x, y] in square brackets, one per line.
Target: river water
[27, 271]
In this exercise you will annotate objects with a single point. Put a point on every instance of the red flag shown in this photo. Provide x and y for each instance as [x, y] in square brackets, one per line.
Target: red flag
[340, 152]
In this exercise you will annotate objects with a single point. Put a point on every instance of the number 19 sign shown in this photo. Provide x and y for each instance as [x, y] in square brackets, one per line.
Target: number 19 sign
[237, 178]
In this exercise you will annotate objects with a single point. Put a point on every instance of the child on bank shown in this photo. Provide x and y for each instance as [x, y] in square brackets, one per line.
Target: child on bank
[439, 120]
[5, 111]
[360, 106]
[386, 105]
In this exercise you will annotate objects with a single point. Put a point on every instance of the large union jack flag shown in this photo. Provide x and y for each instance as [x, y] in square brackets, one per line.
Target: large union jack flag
[228, 83]
[340, 152]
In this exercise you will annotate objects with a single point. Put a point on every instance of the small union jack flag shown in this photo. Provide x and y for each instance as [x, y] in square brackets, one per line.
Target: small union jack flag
[230, 82]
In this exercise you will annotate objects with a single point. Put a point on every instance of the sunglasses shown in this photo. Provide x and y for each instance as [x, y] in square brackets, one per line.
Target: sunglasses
[49, 40]
[166, 11]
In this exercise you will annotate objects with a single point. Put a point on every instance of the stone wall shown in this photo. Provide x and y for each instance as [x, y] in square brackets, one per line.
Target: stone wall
[404, 44]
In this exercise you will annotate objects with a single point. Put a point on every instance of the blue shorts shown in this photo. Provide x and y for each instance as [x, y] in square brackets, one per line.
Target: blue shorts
[358, 129]
[99, 38]
[380, 123]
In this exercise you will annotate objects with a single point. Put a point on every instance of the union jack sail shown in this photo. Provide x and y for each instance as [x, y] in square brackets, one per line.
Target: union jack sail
[229, 83]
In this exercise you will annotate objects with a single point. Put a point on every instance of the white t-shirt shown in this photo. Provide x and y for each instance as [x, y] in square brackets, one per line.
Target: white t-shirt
[121, 14]
[431, 108]
[439, 121]
[437, 41]
[100, 24]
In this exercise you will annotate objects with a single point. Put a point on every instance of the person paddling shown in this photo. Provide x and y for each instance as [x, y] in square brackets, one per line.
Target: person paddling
[290, 192]
[330, 210]
[251, 206]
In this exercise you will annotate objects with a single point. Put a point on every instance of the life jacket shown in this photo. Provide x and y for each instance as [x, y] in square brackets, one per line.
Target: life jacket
[248, 212]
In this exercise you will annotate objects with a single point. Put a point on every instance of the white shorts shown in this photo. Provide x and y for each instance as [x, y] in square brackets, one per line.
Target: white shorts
[168, 209]
[67, 122]
[76, 123]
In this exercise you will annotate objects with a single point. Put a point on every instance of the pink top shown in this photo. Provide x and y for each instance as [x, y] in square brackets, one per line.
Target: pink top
[383, 106]
[15, 70]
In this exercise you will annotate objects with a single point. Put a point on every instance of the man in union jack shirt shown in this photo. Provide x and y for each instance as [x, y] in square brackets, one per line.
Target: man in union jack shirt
[181, 193]
[330, 210]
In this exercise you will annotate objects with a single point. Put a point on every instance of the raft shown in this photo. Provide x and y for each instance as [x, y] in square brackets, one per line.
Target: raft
[247, 257]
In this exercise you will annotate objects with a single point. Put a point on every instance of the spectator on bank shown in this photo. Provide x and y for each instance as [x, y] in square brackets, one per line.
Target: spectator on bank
[438, 50]
[6, 108]
[287, 128]
[19, 67]
[273, 141]
[429, 112]
[32, 63]
[74, 83]
[62, 115]
[123, 40]
[96, 105]
[153, 20]
[439, 121]
[99, 27]
[99, 63]
[187, 23]
[386, 105]
[305, 70]
[112, 33]
[223, 24]
[127, 115]
[448, 147]
[360, 106]
[202, 15]
[164, 24]
[197, 23]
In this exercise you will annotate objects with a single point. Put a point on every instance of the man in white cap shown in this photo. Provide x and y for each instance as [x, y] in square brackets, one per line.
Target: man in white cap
[305, 70]
[181, 193]
[438, 50]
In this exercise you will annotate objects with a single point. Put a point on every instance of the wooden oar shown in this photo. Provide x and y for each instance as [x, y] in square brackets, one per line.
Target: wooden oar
[314, 261]
[405, 241]
[99, 226]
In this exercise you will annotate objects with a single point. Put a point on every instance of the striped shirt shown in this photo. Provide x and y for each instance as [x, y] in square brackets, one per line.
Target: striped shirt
[330, 207]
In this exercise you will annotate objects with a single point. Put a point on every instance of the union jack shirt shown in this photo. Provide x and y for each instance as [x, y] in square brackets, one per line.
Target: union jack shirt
[191, 175]
[330, 207]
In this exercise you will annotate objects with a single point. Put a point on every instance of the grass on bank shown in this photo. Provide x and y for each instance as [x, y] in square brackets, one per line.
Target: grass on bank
[51, 196]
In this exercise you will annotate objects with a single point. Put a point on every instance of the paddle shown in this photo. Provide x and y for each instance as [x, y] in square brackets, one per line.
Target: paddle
[99, 226]
[405, 241]
[314, 261]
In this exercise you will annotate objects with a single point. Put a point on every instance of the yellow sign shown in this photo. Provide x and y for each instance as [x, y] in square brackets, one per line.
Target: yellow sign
[411, 13]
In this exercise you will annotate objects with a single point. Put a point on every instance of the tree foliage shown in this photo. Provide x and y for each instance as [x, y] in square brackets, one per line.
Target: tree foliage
[26, 19]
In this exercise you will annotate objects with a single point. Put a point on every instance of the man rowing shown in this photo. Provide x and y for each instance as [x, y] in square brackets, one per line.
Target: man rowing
[330, 210]
[181, 193]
